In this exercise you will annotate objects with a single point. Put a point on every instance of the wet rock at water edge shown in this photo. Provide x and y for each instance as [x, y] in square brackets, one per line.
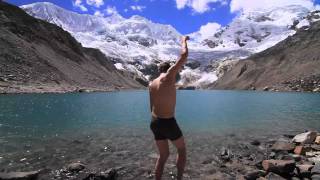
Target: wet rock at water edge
[32, 175]
[75, 167]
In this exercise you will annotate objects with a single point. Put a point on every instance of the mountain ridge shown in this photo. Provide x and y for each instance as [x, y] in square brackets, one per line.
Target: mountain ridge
[291, 65]
[37, 56]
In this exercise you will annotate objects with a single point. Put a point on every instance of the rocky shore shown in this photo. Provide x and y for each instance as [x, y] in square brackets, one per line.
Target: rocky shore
[6, 88]
[210, 157]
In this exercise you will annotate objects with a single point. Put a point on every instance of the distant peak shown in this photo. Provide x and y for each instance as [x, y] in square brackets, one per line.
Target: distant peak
[41, 4]
[139, 18]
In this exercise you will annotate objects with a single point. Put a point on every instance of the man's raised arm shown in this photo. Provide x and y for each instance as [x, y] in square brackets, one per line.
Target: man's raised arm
[173, 70]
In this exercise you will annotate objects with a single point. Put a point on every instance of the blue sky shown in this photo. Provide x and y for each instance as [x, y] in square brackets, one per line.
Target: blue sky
[186, 16]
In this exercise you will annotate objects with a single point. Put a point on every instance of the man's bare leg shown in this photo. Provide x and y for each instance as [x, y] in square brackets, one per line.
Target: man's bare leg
[182, 156]
[163, 148]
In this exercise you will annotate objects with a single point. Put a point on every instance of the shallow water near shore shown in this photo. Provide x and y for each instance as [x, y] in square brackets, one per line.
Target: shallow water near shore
[111, 130]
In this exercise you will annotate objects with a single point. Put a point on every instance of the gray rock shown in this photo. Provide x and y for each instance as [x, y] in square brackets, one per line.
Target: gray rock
[304, 171]
[273, 176]
[283, 146]
[315, 177]
[75, 167]
[305, 138]
[32, 175]
[255, 143]
[254, 174]
[218, 176]
[282, 167]
[110, 175]
[316, 169]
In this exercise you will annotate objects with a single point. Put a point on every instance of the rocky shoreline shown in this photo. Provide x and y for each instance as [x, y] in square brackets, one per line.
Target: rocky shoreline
[133, 157]
[40, 89]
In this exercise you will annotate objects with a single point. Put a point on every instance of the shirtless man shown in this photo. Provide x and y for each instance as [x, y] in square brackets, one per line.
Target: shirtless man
[162, 103]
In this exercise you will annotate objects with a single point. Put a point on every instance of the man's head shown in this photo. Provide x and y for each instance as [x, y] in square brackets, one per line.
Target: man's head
[163, 68]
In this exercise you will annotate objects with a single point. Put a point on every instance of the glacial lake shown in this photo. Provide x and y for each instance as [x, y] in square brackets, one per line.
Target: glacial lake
[111, 130]
[31, 115]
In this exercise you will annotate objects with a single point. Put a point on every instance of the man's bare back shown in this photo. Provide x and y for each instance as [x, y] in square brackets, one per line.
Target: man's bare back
[163, 94]
[162, 105]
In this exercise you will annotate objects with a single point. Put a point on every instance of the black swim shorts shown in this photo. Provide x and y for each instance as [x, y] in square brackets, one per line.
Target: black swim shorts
[165, 129]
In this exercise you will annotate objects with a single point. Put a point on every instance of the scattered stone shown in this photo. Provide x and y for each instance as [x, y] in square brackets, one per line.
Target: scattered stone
[225, 154]
[266, 88]
[315, 147]
[296, 157]
[304, 171]
[110, 175]
[219, 176]
[255, 143]
[317, 141]
[315, 177]
[32, 175]
[316, 169]
[75, 167]
[83, 91]
[283, 146]
[254, 174]
[315, 159]
[301, 150]
[272, 176]
[316, 90]
[305, 138]
[312, 154]
[279, 166]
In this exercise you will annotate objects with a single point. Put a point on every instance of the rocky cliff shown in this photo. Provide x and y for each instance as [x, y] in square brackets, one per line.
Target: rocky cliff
[36, 56]
[291, 65]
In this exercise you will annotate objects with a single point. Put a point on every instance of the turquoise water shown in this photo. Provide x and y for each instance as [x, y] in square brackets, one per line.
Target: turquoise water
[197, 111]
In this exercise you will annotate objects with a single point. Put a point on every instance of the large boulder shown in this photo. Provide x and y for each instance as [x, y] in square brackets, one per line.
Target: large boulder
[283, 146]
[282, 167]
[32, 175]
[305, 138]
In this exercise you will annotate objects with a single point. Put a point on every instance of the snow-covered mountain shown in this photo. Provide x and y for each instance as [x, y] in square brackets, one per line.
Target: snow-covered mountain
[138, 45]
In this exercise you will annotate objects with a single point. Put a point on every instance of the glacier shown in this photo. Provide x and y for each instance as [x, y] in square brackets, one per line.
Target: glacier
[137, 45]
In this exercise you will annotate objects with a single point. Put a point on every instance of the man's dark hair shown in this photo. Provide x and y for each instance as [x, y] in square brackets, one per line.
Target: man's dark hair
[163, 68]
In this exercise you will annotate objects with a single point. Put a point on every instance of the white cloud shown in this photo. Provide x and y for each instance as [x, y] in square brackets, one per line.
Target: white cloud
[96, 3]
[247, 5]
[209, 29]
[137, 8]
[98, 13]
[78, 3]
[181, 3]
[111, 10]
[199, 6]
